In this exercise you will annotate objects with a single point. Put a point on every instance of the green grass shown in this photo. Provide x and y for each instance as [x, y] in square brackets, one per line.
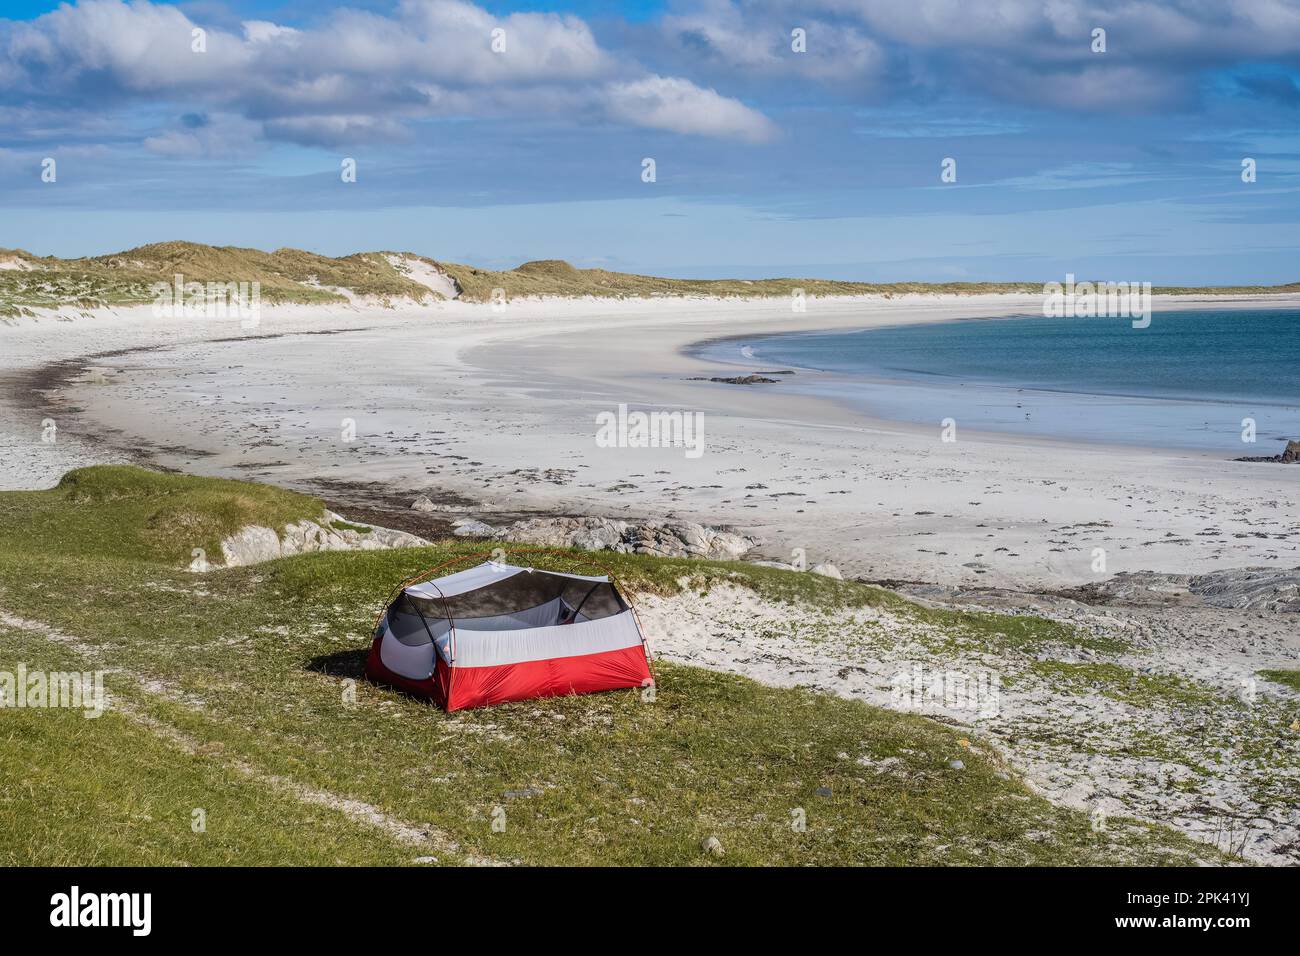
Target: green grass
[349, 526]
[1289, 678]
[106, 791]
[1122, 684]
[262, 667]
[999, 633]
[119, 512]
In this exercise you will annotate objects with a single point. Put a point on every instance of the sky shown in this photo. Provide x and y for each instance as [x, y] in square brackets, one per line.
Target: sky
[788, 137]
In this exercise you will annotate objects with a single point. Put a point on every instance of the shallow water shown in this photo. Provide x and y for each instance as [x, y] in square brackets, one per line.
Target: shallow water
[1188, 380]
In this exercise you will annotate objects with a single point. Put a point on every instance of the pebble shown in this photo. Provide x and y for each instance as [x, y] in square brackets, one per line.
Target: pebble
[526, 792]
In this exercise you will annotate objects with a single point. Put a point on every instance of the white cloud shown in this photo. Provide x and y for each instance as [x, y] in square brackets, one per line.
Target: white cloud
[221, 136]
[355, 75]
[1210, 29]
[680, 106]
[330, 130]
[757, 39]
[263, 31]
[138, 48]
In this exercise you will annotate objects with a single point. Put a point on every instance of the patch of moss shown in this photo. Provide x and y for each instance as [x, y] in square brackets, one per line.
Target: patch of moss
[1286, 677]
[348, 526]
[1121, 683]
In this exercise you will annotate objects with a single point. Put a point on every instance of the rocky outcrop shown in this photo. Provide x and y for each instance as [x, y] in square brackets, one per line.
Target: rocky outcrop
[824, 569]
[426, 504]
[255, 543]
[472, 528]
[736, 379]
[1249, 589]
[1290, 455]
[672, 539]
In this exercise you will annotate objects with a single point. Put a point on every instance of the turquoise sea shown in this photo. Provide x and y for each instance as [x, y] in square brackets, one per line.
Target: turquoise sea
[1188, 380]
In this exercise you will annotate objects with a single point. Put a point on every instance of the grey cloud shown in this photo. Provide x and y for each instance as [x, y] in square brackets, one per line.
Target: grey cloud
[1032, 52]
[756, 39]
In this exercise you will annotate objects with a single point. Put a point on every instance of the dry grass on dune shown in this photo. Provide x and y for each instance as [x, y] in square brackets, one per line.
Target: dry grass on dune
[293, 275]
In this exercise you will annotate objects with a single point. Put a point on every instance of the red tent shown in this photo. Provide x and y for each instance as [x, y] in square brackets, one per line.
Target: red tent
[499, 632]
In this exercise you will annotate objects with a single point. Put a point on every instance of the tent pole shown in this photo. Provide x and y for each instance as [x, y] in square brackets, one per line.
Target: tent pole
[584, 600]
[451, 641]
[433, 641]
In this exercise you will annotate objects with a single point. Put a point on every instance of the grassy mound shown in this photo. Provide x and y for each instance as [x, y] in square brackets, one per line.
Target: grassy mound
[555, 277]
[120, 512]
[125, 278]
[260, 668]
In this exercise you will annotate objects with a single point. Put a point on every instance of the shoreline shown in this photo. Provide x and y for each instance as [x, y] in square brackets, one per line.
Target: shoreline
[497, 411]
[860, 392]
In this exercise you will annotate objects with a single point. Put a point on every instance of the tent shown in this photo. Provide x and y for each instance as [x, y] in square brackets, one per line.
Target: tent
[499, 632]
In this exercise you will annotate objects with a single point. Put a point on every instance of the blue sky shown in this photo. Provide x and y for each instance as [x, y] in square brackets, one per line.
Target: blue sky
[1123, 164]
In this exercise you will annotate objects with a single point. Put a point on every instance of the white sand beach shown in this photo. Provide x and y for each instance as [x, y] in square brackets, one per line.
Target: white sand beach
[499, 409]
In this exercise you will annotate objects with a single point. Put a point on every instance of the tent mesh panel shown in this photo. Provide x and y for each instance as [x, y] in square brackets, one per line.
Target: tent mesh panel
[520, 592]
